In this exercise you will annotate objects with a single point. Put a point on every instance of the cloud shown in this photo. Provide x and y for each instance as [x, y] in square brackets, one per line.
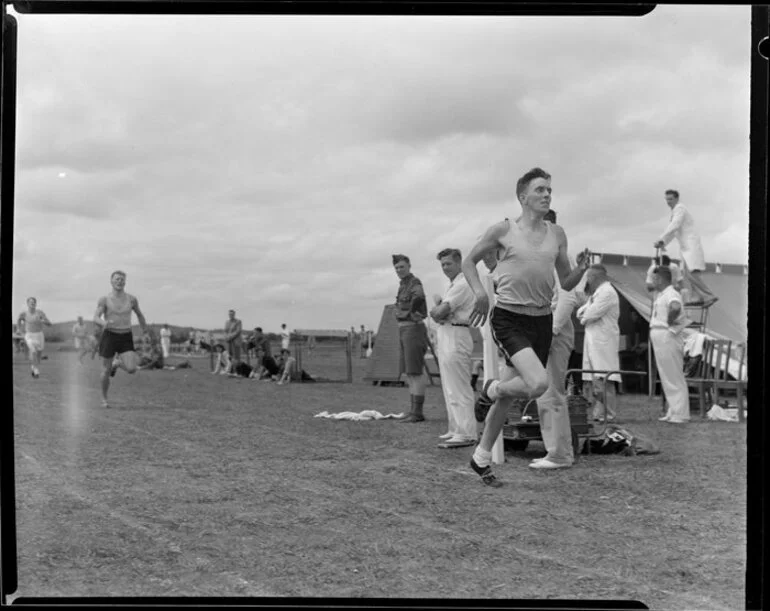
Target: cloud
[276, 167]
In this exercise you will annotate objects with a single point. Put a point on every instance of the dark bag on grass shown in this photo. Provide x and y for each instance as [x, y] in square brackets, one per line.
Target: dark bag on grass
[617, 440]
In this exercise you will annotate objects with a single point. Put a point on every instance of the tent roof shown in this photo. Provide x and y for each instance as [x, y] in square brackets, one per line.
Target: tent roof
[727, 317]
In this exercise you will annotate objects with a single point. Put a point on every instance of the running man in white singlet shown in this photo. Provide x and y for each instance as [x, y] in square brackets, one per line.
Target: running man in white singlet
[521, 322]
[113, 315]
[30, 323]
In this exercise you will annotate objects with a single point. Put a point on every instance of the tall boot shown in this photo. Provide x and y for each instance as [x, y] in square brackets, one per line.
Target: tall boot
[416, 414]
[410, 415]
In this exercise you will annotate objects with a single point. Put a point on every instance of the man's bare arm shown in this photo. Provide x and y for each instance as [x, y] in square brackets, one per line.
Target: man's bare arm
[488, 242]
[140, 317]
[569, 278]
[101, 309]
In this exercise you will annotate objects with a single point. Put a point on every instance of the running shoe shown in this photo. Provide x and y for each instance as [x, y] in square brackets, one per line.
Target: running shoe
[483, 403]
[486, 475]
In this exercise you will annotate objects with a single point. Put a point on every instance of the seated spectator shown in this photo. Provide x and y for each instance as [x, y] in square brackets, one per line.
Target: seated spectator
[241, 370]
[151, 357]
[265, 368]
[223, 365]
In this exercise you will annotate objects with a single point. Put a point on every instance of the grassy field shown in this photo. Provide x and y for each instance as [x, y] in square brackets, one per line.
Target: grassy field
[202, 485]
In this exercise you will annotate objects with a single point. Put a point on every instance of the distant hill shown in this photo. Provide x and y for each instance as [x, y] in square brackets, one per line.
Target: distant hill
[62, 331]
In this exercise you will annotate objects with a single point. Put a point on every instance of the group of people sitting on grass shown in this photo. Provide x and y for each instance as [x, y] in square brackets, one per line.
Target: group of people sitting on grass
[151, 357]
[281, 371]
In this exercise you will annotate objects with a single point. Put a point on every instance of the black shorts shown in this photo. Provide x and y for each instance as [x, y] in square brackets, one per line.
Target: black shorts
[112, 343]
[513, 332]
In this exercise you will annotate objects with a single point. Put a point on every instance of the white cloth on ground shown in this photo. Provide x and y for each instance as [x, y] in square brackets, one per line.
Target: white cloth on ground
[367, 414]
[726, 415]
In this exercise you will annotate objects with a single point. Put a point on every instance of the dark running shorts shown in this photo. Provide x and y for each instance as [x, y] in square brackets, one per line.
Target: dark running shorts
[414, 343]
[513, 332]
[112, 343]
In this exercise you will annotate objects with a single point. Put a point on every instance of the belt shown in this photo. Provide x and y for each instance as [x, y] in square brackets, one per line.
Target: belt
[460, 324]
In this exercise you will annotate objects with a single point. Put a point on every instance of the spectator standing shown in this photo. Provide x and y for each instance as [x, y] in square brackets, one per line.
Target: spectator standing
[411, 311]
[601, 343]
[165, 341]
[455, 347]
[666, 327]
[233, 330]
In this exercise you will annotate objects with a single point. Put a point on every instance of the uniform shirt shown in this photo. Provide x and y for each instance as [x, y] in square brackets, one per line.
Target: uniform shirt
[33, 321]
[165, 334]
[524, 272]
[79, 330]
[659, 318]
[410, 300]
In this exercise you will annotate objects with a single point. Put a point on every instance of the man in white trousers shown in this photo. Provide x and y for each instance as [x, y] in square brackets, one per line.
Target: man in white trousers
[682, 227]
[666, 326]
[165, 340]
[552, 409]
[455, 347]
[599, 315]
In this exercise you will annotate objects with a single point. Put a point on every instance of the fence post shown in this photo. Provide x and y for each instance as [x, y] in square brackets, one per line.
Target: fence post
[350, 359]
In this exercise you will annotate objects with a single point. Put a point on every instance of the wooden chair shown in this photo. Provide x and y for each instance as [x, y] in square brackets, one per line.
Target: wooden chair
[704, 376]
[738, 385]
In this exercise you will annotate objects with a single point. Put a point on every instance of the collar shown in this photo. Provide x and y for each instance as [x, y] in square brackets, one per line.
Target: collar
[407, 278]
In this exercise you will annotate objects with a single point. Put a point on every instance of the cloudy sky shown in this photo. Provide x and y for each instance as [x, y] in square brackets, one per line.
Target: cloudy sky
[272, 164]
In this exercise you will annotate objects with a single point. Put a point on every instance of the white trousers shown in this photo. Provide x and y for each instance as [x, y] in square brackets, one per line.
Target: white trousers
[165, 344]
[493, 370]
[669, 358]
[552, 407]
[455, 346]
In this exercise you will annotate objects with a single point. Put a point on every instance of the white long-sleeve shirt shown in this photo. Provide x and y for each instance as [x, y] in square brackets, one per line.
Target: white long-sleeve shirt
[682, 227]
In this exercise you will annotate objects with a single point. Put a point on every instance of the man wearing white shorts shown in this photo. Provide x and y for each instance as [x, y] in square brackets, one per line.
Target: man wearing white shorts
[113, 315]
[31, 323]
